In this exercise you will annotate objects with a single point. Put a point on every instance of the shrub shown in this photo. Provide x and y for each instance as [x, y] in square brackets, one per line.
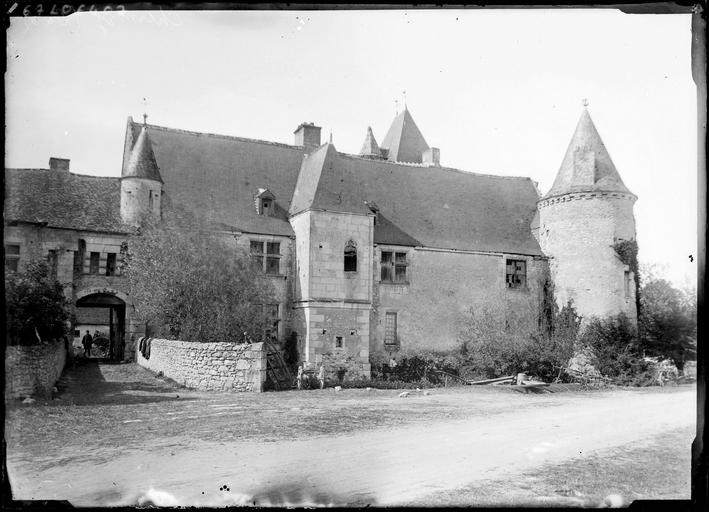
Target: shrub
[618, 355]
[35, 305]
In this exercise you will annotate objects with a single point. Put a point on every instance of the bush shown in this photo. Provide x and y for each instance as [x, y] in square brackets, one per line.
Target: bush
[188, 283]
[35, 304]
[618, 355]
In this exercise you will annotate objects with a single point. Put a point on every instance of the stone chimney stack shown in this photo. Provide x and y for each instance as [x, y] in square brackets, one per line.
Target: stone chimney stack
[307, 135]
[431, 157]
[59, 164]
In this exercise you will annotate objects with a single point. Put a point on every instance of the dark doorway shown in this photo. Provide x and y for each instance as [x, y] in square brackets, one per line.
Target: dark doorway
[116, 321]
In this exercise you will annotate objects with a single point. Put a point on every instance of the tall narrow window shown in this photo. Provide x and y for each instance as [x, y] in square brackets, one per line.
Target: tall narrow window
[273, 258]
[393, 267]
[350, 257]
[626, 276]
[79, 258]
[52, 263]
[257, 255]
[390, 329]
[150, 200]
[516, 274]
[12, 257]
[111, 264]
[94, 262]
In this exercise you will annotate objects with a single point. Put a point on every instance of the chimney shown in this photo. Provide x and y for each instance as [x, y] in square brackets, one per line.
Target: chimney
[308, 135]
[59, 164]
[431, 157]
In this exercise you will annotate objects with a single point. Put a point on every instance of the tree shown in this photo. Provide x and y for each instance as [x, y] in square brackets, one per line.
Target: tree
[37, 309]
[189, 283]
[668, 322]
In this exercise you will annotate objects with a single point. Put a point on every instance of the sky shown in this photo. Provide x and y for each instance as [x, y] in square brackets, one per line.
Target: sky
[498, 91]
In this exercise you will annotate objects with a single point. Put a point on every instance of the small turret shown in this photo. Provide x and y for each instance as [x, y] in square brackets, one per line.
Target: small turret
[141, 183]
[404, 142]
[585, 214]
[370, 148]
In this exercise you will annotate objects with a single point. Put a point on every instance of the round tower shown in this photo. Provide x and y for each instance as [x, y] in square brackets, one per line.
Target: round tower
[141, 184]
[584, 221]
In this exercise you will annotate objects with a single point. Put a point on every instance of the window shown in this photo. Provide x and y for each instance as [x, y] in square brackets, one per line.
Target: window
[626, 276]
[150, 201]
[79, 258]
[111, 264]
[266, 207]
[516, 274]
[52, 263]
[393, 267]
[350, 257]
[270, 261]
[94, 262]
[12, 257]
[272, 313]
[338, 342]
[390, 329]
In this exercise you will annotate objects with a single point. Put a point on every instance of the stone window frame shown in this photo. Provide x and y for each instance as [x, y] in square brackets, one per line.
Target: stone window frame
[350, 257]
[264, 256]
[12, 257]
[396, 263]
[515, 278]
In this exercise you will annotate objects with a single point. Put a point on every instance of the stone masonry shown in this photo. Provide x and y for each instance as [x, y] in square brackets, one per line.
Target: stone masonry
[225, 366]
[33, 370]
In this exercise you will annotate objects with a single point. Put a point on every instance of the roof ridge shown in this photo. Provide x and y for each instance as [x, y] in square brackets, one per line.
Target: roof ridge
[222, 136]
[70, 173]
[442, 168]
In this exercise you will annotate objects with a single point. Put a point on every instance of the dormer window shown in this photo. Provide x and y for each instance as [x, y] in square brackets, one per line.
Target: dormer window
[265, 202]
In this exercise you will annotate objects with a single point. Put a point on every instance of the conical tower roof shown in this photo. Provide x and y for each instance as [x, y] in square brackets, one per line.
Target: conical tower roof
[587, 165]
[403, 141]
[370, 146]
[141, 163]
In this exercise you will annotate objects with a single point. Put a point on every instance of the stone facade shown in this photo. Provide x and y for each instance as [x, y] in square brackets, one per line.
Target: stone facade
[585, 267]
[225, 366]
[33, 370]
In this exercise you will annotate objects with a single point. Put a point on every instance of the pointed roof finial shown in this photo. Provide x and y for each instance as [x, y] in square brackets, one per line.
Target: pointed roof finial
[145, 118]
[145, 111]
[584, 102]
[404, 93]
[330, 136]
[396, 107]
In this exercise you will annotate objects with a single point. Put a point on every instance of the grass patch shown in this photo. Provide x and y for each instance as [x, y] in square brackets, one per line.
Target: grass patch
[659, 469]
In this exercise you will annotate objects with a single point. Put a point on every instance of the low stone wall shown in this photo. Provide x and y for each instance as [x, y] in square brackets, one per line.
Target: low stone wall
[33, 370]
[225, 366]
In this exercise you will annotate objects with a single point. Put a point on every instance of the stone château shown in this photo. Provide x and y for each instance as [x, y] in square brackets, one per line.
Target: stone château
[372, 253]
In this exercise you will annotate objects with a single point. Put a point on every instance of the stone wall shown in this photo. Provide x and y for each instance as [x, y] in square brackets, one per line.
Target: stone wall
[441, 287]
[225, 366]
[33, 370]
[577, 232]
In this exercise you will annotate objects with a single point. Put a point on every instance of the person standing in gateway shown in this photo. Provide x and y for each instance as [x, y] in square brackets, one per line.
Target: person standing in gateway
[87, 341]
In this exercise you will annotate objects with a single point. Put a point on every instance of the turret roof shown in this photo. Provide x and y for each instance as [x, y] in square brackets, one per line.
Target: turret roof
[370, 146]
[141, 160]
[404, 141]
[587, 165]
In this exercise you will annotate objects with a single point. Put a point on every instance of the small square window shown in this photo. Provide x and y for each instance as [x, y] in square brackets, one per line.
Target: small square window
[516, 274]
[12, 257]
[338, 342]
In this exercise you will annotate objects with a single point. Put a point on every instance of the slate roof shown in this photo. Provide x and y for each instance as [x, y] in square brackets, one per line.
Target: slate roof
[587, 165]
[141, 160]
[63, 200]
[404, 142]
[423, 206]
[219, 176]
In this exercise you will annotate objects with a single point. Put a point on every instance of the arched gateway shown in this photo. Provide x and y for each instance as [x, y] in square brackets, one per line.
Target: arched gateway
[108, 309]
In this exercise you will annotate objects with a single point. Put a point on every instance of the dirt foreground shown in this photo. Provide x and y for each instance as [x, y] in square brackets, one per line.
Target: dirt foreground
[384, 466]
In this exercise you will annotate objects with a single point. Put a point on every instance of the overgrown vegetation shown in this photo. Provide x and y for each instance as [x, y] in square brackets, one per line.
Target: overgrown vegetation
[191, 283]
[627, 251]
[36, 309]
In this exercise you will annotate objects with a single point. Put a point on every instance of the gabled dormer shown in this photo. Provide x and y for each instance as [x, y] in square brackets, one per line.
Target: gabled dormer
[265, 202]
